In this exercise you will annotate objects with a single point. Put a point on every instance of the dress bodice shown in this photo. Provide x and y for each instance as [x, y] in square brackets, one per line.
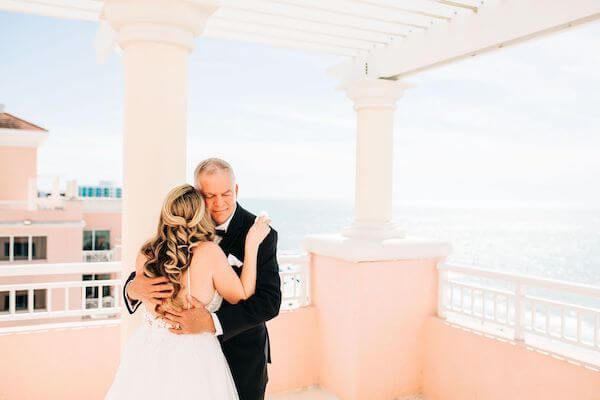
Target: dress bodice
[155, 322]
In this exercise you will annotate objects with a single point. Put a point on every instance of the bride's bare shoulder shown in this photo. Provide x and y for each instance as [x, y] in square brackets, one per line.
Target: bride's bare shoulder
[206, 251]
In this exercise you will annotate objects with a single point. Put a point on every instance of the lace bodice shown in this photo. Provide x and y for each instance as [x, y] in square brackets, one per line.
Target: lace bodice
[153, 321]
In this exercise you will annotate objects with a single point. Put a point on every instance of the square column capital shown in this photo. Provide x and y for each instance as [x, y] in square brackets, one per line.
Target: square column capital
[375, 93]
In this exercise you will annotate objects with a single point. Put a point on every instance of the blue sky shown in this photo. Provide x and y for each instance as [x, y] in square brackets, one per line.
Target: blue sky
[517, 125]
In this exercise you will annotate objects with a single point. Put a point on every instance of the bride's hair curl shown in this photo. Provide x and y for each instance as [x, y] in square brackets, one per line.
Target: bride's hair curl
[183, 224]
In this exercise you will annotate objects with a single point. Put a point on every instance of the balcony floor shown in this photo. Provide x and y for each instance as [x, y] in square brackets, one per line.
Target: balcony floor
[317, 394]
[306, 394]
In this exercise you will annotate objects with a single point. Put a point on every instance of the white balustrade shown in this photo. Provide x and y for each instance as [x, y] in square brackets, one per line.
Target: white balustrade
[523, 308]
[100, 307]
[57, 313]
[295, 289]
[98, 255]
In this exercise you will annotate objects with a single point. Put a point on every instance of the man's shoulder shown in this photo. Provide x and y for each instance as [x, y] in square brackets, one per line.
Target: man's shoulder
[249, 218]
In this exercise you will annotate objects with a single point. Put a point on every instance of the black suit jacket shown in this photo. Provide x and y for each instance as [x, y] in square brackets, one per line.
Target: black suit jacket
[245, 339]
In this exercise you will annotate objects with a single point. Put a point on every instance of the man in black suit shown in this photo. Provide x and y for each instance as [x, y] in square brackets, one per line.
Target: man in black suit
[241, 327]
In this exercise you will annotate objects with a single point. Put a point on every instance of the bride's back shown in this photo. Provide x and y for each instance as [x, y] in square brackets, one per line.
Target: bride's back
[199, 275]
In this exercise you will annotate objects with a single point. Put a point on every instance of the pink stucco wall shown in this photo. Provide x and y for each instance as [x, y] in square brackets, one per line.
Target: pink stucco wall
[370, 321]
[63, 243]
[81, 363]
[293, 336]
[71, 210]
[59, 364]
[17, 165]
[464, 365]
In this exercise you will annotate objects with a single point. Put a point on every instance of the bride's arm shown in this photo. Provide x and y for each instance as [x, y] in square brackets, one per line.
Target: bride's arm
[225, 280]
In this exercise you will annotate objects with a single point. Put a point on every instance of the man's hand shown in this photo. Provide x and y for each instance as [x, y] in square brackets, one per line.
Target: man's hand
[150, 290]
[196, 319]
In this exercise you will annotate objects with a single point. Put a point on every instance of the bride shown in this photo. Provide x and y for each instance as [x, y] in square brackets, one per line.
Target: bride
[156, 363]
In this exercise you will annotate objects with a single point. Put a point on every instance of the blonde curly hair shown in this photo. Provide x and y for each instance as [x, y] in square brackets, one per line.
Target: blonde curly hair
[184, 223]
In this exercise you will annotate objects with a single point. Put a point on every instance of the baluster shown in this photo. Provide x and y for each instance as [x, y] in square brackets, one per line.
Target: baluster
[548, 319]
[30, 301]
[12, 301]
[562, 323]
[482, 306]
[48, 299]
[83, 303]
[596, 327]
[495, 307]
[578, 338]
[519, 302]
[472, 293]
[301, 290]
[100, 296]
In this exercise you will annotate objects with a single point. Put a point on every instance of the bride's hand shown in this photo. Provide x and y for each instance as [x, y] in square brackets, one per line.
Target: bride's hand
[258, 231]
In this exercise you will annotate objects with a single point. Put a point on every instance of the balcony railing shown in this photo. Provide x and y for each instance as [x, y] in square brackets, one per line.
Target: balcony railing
[555, 316]
[67, 303]
[295, 289]
[98, 256]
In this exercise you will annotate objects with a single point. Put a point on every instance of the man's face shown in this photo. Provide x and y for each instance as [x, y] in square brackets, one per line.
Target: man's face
[220, 194]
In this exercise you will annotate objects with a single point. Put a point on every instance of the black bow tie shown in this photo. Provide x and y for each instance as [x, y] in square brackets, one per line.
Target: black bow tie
[220, 232]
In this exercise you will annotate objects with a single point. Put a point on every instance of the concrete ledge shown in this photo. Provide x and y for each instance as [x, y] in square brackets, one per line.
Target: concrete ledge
[363, 250]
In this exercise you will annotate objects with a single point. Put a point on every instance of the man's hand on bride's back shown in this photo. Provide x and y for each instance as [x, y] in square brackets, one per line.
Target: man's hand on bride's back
[150, 290]
[194, 319]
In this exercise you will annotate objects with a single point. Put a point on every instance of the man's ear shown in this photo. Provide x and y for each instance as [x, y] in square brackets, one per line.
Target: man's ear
[236, 190]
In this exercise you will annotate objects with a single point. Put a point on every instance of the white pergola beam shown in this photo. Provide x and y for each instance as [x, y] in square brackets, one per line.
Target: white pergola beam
[288, 34]
[418, 7]
[362, 10]
[332, 18]
[355, 33]
[86, 10]
[278, 42]
[498, 23]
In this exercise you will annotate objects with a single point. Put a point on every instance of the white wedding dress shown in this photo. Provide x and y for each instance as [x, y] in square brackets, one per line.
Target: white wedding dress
[158, 364]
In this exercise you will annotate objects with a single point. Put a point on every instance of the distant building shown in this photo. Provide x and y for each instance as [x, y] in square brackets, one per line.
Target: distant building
[67, 225]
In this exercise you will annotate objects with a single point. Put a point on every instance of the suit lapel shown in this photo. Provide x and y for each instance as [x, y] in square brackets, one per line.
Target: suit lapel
[233, 231]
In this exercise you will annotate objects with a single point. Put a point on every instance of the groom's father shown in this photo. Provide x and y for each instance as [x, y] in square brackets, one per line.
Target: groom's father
[241, 327]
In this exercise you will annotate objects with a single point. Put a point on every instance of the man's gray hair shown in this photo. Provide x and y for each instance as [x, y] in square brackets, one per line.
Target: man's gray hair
[212, 165]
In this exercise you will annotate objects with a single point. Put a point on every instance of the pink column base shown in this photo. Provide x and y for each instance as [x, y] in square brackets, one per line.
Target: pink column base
[371, 317]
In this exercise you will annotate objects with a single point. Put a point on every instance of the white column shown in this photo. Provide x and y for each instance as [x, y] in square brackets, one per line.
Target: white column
[374, 102]
[157, 37]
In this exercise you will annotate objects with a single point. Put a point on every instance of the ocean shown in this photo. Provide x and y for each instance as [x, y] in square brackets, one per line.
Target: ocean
[551, 241]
